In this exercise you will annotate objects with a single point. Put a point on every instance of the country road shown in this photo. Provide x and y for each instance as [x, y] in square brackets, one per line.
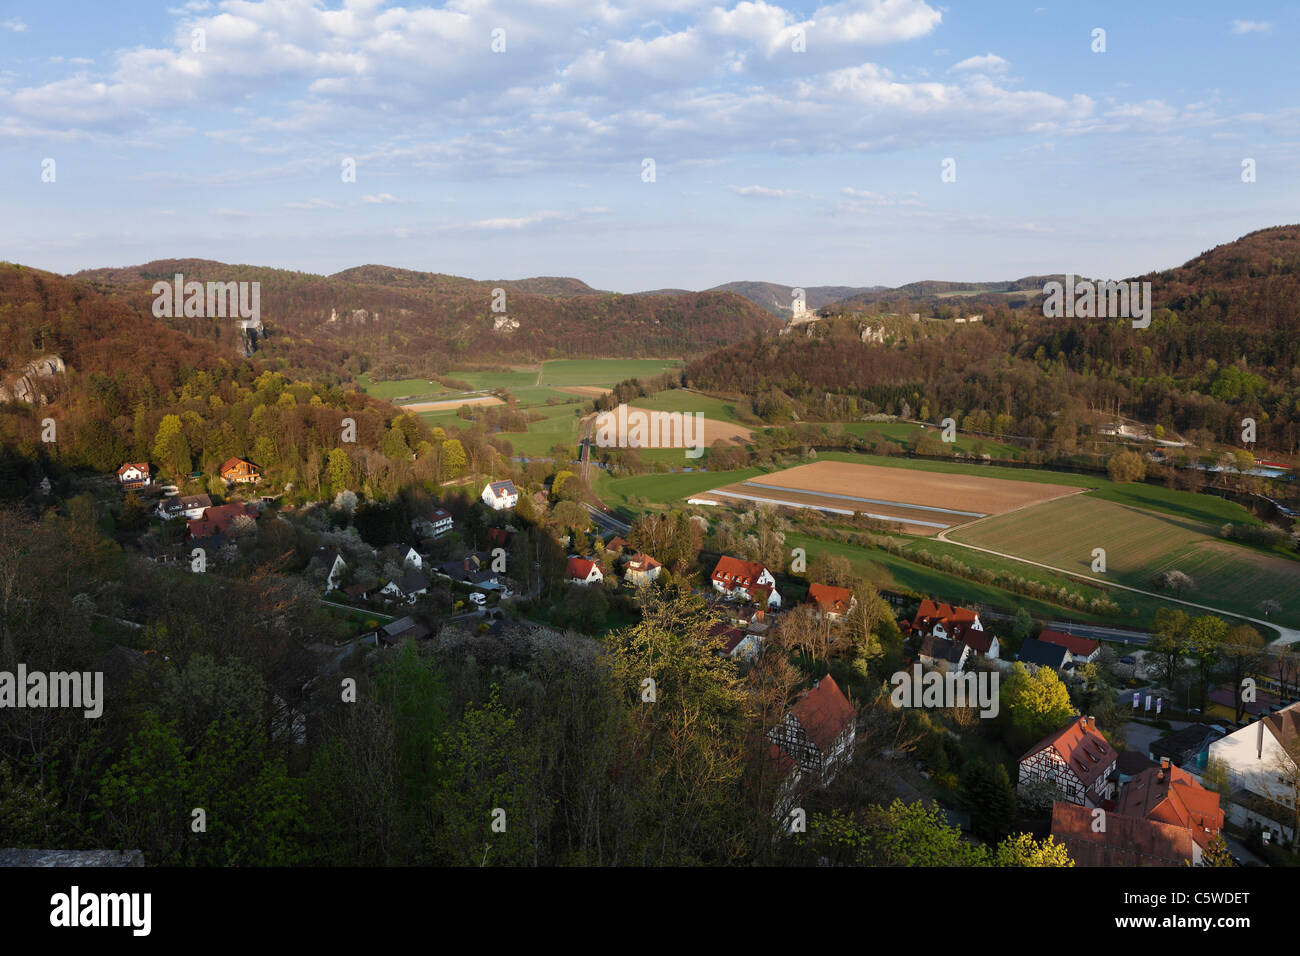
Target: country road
[1287, 635]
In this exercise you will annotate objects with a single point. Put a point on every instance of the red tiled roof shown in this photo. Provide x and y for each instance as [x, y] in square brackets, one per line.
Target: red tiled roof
[1126, 840]
[139, 465]
[1081, 646]
[829, 598]
[956, 621]
[616, 544]
[824, 712]
[1175, 797]
[579, 568]
[217, 520]
[642, 562]
[1084, 750]
[734, 573]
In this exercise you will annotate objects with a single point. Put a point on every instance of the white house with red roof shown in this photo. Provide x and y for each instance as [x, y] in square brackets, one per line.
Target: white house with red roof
[745, 581]
[959, 624]
[135, 474]
[500, 495]
[641, 570]
[1077, 760]
[583, 571]
[818, 732]
[831, 602]
[1082, 650]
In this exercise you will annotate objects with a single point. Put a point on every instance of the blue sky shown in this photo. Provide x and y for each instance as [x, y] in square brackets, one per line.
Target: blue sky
[807, 168]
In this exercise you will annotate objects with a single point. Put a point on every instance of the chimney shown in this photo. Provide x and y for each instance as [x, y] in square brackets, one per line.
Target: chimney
[1259, 739]
[1164, 769]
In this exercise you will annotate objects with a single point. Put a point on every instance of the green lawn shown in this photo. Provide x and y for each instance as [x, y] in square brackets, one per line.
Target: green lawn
[681, 400]
[602, 371]
[400, 388]
[1139, 543]
[902, 433]
[670, 489]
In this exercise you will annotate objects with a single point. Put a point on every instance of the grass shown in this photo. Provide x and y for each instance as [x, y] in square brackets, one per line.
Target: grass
[680, 400]
[400, 388]
[902, 433]
[668, 489]
[602, 371]
[897, 573]
[1139, 543]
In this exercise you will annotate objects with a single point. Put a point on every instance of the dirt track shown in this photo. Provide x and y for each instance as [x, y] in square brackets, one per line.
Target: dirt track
[451, 403]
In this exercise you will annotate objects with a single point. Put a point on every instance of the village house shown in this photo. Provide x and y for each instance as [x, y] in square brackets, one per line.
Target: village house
[746, 581]
[402, 555]
[1263, 764]
[336, 567]
[737, 643]
[1042, 654]
[1185, 747]
[950, 656]
[183, 506]
[500, 495]
[616, 546]
[500, 537]
[1166, 794]
[641, 570]
[1076, 760]
[240, 471]
[406, 588]
[1082, 650]
[832, 603]
[819, 731]
[135, 475]
[435, 525]
[583, 571]
[475, 569]
[394, 632]
[1124, 841]
[216, 521]
[960, 624]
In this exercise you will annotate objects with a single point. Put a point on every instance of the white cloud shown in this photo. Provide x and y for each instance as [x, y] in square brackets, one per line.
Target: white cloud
[1251, 26]
[14, 24]
[988, 63]
[761, 192]
[310, 204]
[382, 199]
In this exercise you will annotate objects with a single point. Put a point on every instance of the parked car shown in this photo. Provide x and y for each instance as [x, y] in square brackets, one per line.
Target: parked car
[478, 598]
[1128, 659]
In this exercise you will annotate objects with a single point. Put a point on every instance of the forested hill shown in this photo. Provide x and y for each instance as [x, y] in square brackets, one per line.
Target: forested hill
[407, 322]
[1222, 346]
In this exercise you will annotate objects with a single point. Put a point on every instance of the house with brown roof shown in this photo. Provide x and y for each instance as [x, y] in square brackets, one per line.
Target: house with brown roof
[1167, 794]
[830, 602]
[616, 545]
[134, 475]
[583, 571]
[1082, 650]
[217, 521]
[1077, 760]
[736, 641]
[240, 471]
[739, 580]
[937, 619]
[818, 732]
[641, 570]
[1123, 841]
